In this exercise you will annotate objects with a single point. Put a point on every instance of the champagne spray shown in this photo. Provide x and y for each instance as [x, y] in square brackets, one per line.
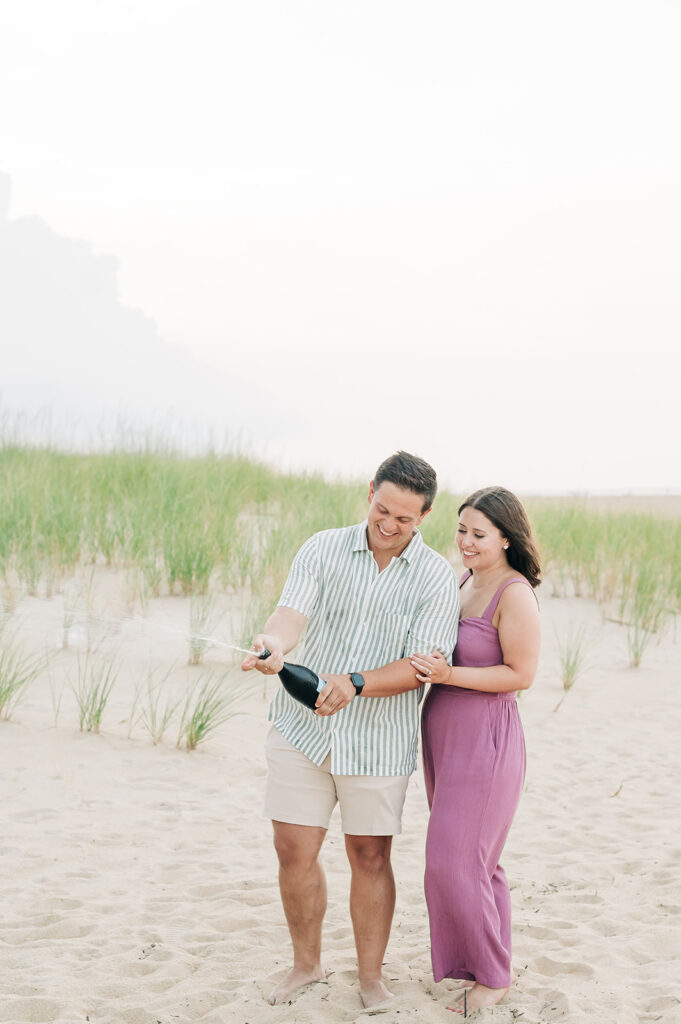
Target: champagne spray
[301, 682]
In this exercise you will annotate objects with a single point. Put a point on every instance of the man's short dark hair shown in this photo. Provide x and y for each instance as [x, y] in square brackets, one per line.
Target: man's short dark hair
[411, 473]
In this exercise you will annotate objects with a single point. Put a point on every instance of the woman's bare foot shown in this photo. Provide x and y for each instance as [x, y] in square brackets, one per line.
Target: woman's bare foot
[297, 977]
[465, 983]
[478, 997]
[374, 994]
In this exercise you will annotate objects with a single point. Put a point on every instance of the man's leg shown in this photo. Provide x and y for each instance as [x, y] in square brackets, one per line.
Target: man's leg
[372, 902]
[303, 893]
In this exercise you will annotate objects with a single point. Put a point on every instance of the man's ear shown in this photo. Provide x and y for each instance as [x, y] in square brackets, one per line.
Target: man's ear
[371, 491]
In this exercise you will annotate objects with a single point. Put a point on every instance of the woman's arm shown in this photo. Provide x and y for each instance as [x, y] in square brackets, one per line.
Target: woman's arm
[519, 637]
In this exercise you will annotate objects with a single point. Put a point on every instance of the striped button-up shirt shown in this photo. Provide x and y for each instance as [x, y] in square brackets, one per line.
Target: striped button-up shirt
[359, 619]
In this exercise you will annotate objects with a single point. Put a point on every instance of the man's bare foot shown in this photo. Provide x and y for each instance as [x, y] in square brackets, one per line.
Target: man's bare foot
[296, 978]
[478, 997]
[374, 994]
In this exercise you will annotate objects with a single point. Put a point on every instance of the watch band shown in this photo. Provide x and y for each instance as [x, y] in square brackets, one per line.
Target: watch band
[357, 681]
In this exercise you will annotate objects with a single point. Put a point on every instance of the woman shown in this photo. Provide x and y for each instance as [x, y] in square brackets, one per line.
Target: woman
[473, 745]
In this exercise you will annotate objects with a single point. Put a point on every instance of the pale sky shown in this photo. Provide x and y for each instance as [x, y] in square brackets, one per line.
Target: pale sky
[448, 227]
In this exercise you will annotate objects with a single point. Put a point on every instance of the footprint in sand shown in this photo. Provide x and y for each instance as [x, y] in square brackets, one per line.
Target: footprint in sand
[130, 1015]
[30, 1010]
[202, 891]
[154, 952]
[556, 1004]
[142, 969]
[236, 924]
[663, 877]
[199, 939]
[538, 932]
[39, 814]
[66, 930]
[660, 1004]
[554, 968]
[253, 899]
[606, 926]
[52, 903]
[589, 898]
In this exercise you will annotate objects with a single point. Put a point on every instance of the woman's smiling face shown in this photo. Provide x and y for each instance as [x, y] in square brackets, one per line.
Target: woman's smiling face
[480, 542]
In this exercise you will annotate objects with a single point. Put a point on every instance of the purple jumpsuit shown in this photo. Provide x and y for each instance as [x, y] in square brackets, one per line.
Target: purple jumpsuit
[474, 764]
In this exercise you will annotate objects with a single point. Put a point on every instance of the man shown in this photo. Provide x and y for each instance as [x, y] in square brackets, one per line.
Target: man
[371, 595]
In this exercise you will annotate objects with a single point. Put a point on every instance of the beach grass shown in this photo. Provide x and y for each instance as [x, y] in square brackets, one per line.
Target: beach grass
[158, 705]
[56, 697]
[18, 671]
[571, 647]
[204, 619]
[211, 699]
[92, 686]
[180, 525]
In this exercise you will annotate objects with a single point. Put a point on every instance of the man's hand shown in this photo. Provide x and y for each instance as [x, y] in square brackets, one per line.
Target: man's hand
[270, 665]
[337, 694]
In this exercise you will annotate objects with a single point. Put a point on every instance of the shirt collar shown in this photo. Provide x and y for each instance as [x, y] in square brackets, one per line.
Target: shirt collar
[410, 553]
[360, 539]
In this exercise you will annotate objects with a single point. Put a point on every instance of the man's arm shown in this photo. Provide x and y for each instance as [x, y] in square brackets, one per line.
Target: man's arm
[396, 677]
[280, 635]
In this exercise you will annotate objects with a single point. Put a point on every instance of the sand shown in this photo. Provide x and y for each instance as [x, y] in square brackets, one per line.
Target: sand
[139, 881]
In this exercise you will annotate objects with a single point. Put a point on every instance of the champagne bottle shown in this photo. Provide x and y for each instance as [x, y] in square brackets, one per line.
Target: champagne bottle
[302, 683]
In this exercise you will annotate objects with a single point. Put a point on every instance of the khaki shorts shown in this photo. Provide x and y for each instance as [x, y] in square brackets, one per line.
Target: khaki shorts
[300, 792]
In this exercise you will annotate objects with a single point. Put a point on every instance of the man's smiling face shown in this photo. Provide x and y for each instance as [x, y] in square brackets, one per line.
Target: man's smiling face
[394, 514]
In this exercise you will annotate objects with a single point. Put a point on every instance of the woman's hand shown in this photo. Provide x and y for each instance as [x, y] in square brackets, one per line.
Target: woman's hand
[431, 668]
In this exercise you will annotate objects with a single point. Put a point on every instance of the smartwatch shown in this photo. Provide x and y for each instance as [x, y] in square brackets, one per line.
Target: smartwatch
[358, 682]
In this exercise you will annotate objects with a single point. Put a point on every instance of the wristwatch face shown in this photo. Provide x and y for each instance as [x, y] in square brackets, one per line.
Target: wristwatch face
[357, 681]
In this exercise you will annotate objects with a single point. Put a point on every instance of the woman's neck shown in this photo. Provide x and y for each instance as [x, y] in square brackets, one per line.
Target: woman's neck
[485, 577]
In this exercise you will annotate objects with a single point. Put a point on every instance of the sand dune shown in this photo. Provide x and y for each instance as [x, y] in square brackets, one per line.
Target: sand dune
[139, 882]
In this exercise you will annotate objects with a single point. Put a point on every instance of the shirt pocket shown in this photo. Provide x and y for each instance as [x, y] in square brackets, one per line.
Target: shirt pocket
[391, 630]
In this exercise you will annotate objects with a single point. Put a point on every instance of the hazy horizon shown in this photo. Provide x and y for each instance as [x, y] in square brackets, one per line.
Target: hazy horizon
[338, 230]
